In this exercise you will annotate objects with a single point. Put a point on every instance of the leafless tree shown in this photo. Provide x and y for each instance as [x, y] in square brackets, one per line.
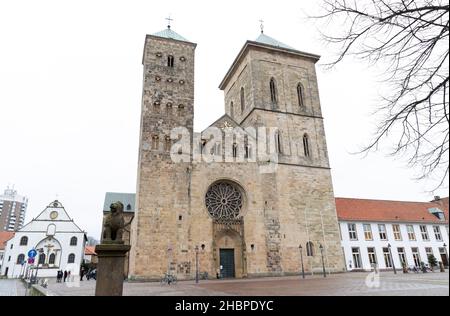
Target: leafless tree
[409, 40]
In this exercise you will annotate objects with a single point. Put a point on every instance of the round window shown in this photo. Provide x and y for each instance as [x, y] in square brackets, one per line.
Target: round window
[224, 201]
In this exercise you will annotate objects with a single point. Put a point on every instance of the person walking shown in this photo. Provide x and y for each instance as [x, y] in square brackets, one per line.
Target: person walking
[81, 274]
[65, 276]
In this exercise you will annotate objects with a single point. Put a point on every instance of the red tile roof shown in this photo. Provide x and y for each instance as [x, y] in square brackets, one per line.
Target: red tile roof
[90, 251]
[389, 211]
[4, 237]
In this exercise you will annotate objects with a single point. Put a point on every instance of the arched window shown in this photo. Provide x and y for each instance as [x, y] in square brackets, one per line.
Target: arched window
[232, 109]
[20, 258]
[306, 145]
[51, 258]
[71, 258]
[41, 258]
[310, 249]
[247, 152]
[170, 61]
[51, 230]
[273, 92]
[155, 142]
[242, 100]
[278, 146]
[300, 96]
[167, 143]
[235, 148]
[73, 241]
[24, 241]
[129, 207]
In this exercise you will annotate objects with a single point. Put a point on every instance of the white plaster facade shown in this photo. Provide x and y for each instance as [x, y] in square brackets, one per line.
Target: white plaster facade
[60, 241]
[438, 246]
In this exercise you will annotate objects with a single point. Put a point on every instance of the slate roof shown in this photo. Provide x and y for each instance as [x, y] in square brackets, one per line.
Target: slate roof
[127, 199]
[264, 39]
[169, 33]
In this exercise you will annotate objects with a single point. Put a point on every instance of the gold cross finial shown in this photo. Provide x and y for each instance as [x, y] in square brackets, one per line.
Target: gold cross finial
[262, 25]
[169, 20]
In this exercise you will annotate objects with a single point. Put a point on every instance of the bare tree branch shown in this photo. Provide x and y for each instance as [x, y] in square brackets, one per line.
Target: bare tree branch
[410, 39]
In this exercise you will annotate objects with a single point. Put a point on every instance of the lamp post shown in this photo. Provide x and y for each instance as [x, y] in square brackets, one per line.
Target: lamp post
[196, 265]
[446, 254]
[392, 258]
[301, 258]
[323, 262]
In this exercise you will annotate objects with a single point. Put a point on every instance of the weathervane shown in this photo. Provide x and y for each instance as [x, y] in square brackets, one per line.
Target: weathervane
[169, 19]
[262, 26]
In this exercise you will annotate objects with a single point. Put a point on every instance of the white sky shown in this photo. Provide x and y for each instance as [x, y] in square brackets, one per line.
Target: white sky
[71, 84]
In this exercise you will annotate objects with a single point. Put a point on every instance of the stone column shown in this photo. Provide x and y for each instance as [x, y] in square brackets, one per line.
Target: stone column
[111, 261]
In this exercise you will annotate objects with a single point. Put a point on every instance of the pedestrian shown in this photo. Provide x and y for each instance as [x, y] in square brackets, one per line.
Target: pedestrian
[81, 274]
[57, 276]
[65, 276]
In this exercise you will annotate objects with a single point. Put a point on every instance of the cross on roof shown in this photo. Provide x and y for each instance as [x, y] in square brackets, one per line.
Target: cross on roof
[169, 20]
[262, 25]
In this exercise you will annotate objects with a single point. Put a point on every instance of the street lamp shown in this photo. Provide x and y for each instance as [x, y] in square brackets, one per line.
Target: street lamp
[301, 258]
[392, 258]
[323, 262]
[446, 254]
[196, 264]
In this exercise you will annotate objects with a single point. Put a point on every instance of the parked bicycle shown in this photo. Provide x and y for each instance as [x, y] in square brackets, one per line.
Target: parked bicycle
[169, 279]
[204, 275]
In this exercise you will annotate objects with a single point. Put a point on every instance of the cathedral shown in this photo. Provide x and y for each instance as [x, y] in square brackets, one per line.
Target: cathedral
[257, 201]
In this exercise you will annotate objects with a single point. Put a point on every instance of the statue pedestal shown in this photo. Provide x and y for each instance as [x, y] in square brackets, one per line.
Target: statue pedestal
[110, 267]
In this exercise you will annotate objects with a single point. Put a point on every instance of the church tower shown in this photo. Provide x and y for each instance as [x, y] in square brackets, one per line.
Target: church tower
[273, 85]
[276, 85]
[162, 185]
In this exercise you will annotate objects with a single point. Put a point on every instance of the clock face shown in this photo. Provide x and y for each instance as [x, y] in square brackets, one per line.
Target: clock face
[54, 215]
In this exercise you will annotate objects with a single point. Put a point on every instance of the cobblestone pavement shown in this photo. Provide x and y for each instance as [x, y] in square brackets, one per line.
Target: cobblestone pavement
[11, 288]
[348, 284]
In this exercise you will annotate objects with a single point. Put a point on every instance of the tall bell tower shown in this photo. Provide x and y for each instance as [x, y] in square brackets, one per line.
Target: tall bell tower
[163, 186]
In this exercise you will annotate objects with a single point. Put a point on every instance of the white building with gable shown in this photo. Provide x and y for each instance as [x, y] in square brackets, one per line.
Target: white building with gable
[59, 243]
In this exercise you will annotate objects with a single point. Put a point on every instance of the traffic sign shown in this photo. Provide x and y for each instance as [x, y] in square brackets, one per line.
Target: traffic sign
[32, 253]
[30, 260]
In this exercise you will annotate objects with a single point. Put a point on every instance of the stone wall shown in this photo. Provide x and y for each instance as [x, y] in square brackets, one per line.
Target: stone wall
[281, 210]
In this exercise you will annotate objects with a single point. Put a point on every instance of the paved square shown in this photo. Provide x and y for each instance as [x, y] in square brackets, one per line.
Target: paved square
[347, 284]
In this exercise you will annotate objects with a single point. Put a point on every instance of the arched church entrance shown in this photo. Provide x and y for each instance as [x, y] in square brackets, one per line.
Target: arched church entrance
[225, 201]
[229, 253]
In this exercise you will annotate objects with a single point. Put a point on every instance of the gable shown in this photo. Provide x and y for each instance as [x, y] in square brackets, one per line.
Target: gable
[54, 213]
[227, 122]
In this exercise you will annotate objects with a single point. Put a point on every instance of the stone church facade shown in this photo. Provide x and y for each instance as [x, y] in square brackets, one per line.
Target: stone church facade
[237, 218]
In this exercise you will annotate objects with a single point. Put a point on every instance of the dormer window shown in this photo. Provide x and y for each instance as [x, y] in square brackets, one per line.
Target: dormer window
[438, 213]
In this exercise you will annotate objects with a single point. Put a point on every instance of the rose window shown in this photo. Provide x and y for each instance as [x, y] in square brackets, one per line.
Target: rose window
[224, 201]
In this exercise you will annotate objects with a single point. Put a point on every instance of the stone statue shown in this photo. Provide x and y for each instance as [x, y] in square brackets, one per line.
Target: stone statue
[113, 225]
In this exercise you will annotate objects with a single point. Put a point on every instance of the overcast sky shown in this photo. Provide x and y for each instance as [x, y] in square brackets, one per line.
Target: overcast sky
[71, 84]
